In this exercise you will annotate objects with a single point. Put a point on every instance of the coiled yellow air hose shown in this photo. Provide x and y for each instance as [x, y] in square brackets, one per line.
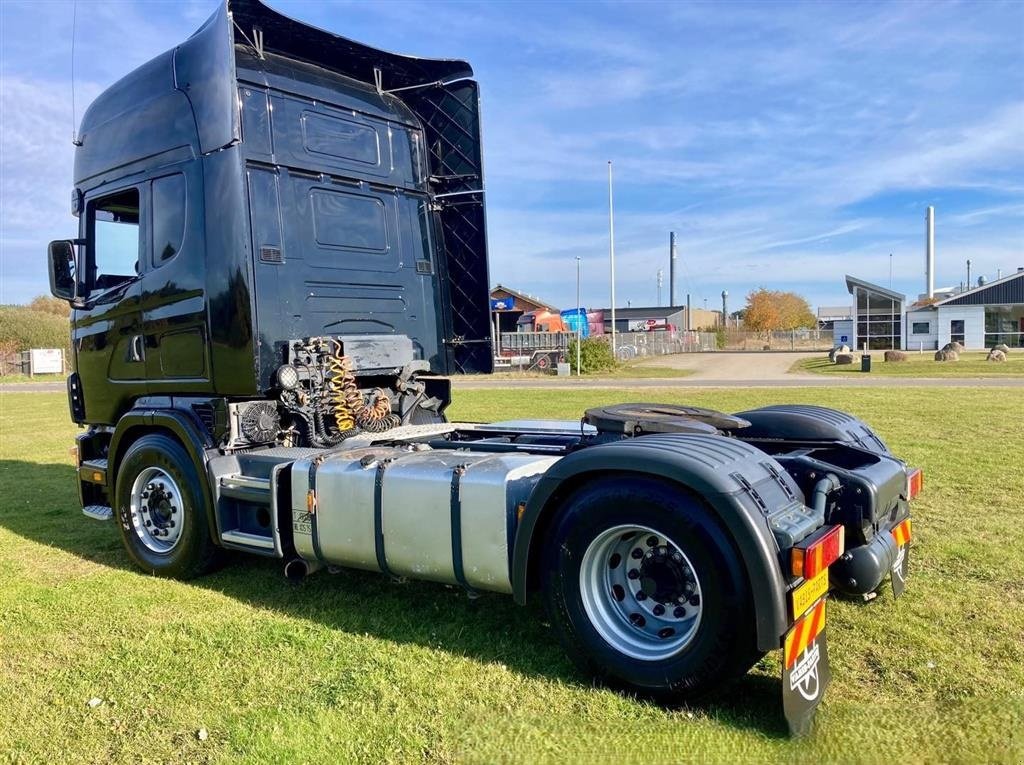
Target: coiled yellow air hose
[350, 409]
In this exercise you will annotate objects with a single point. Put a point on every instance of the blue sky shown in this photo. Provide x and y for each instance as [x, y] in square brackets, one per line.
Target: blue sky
[786, 144]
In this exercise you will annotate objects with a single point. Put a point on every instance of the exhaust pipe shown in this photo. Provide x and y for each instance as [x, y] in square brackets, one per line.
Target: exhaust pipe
[298, 569]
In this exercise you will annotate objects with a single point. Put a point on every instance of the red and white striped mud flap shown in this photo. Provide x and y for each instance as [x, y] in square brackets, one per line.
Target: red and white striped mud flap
[805, 670]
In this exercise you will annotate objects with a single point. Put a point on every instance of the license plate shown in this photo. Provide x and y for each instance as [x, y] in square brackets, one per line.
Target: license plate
[804, 596]
[805, 670]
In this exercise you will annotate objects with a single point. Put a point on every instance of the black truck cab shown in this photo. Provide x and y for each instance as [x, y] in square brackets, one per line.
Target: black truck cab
[266, 181]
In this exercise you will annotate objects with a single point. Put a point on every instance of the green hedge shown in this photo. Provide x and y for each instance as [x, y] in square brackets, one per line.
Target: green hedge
[22, 328]
[595, 355]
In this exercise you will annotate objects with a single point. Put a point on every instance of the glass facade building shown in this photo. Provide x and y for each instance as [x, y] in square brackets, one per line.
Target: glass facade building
[1004, 325]
[878, 316]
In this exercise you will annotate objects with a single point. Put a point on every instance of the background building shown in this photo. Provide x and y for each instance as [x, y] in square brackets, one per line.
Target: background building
[507, 305]
[659, 317]
[877, 316]
[983, 317]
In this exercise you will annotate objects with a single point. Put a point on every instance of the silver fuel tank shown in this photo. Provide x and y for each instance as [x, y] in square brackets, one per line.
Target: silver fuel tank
[445, 516]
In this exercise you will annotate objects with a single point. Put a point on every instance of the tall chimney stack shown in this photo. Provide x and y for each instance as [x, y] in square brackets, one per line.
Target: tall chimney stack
[671, 268]
[929, 270]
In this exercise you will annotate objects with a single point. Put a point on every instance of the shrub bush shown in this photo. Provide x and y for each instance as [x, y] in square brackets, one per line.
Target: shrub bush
[595, 355]
[22, 328]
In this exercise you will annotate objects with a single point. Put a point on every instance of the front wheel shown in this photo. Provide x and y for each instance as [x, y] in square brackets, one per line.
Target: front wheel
[162, 509]
[647, 590]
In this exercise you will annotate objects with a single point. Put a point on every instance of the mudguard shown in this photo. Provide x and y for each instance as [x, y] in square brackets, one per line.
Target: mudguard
[803, 422]
[160, 413]
[742, 485]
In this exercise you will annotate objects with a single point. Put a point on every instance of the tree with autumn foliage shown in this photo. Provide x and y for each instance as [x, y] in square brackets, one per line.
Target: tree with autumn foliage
[775, 310]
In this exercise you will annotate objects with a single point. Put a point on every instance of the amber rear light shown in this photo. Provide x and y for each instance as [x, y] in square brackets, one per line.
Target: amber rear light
[915, 482]
[812, 557]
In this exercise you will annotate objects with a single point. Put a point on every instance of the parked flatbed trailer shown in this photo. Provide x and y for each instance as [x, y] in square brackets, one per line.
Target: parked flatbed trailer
[262, 362]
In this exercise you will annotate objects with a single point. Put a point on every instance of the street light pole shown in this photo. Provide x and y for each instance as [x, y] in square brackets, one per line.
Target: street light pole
[611, 251]
[579, 319]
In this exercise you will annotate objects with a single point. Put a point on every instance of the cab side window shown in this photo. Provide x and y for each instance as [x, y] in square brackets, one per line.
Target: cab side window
[114, 228]
[168, 204]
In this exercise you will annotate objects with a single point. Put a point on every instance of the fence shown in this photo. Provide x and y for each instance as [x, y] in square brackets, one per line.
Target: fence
[631, 345]
[20, 363]
[541, 351]
[789, 340]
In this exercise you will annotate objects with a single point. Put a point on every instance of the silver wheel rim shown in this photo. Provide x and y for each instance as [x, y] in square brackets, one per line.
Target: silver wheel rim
[157, 510]
[640, 592]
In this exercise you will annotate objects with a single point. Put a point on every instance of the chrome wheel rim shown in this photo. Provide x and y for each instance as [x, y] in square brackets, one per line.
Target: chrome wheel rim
[640, 592]
[157, 510]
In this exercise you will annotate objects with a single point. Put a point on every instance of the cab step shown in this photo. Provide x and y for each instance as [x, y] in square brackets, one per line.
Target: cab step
[98, 512]
[246, 488]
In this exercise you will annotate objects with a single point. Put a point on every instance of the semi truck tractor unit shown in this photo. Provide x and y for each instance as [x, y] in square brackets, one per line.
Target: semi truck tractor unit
[281, 260]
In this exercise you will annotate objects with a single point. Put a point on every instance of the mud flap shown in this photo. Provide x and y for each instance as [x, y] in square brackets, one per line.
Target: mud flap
[805, 669]
[900, 569]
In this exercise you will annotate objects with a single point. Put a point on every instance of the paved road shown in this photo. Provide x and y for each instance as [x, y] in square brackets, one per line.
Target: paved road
[710, 370]
[793, 381]
[722, 369]
[723, 365]
[46, 387]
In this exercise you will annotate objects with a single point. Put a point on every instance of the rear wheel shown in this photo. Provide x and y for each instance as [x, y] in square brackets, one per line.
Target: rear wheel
[162, 509]
[647, 590]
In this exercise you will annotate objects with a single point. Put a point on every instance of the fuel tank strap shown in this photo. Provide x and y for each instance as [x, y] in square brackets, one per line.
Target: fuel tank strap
[378, 516]
[313, 511]
[456, 524]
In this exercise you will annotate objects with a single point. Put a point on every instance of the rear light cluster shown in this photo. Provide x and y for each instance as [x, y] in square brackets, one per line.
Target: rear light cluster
[915, 482]
[813, 556]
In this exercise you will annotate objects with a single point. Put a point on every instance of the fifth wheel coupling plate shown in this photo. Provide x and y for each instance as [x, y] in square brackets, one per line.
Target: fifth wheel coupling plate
[636, 419]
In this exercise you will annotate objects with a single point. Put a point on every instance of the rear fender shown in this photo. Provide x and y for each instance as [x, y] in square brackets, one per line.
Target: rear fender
[803, 422]
[705, 465]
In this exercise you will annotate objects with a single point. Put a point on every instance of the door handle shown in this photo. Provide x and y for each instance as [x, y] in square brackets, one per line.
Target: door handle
[136, 351]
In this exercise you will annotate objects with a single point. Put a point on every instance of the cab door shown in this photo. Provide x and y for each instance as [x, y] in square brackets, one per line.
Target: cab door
[174, 283]
[107, 333]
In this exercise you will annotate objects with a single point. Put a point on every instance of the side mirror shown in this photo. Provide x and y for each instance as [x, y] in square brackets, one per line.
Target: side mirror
[63, 274]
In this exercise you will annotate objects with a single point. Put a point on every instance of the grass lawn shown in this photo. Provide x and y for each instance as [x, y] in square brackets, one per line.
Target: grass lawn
[971, 364]
[353, 667]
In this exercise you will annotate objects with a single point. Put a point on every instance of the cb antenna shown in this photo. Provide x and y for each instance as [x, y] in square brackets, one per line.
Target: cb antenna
[74, 114]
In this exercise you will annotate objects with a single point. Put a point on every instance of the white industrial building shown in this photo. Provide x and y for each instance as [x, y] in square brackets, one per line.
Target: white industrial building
[988, 315]
[983, 317]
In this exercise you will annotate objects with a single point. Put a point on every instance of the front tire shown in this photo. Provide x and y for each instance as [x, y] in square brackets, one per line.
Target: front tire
[647, 590]
[162, 510]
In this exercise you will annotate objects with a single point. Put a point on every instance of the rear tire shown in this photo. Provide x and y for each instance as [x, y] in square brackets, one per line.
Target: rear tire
[615, 609]
[162, 510]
